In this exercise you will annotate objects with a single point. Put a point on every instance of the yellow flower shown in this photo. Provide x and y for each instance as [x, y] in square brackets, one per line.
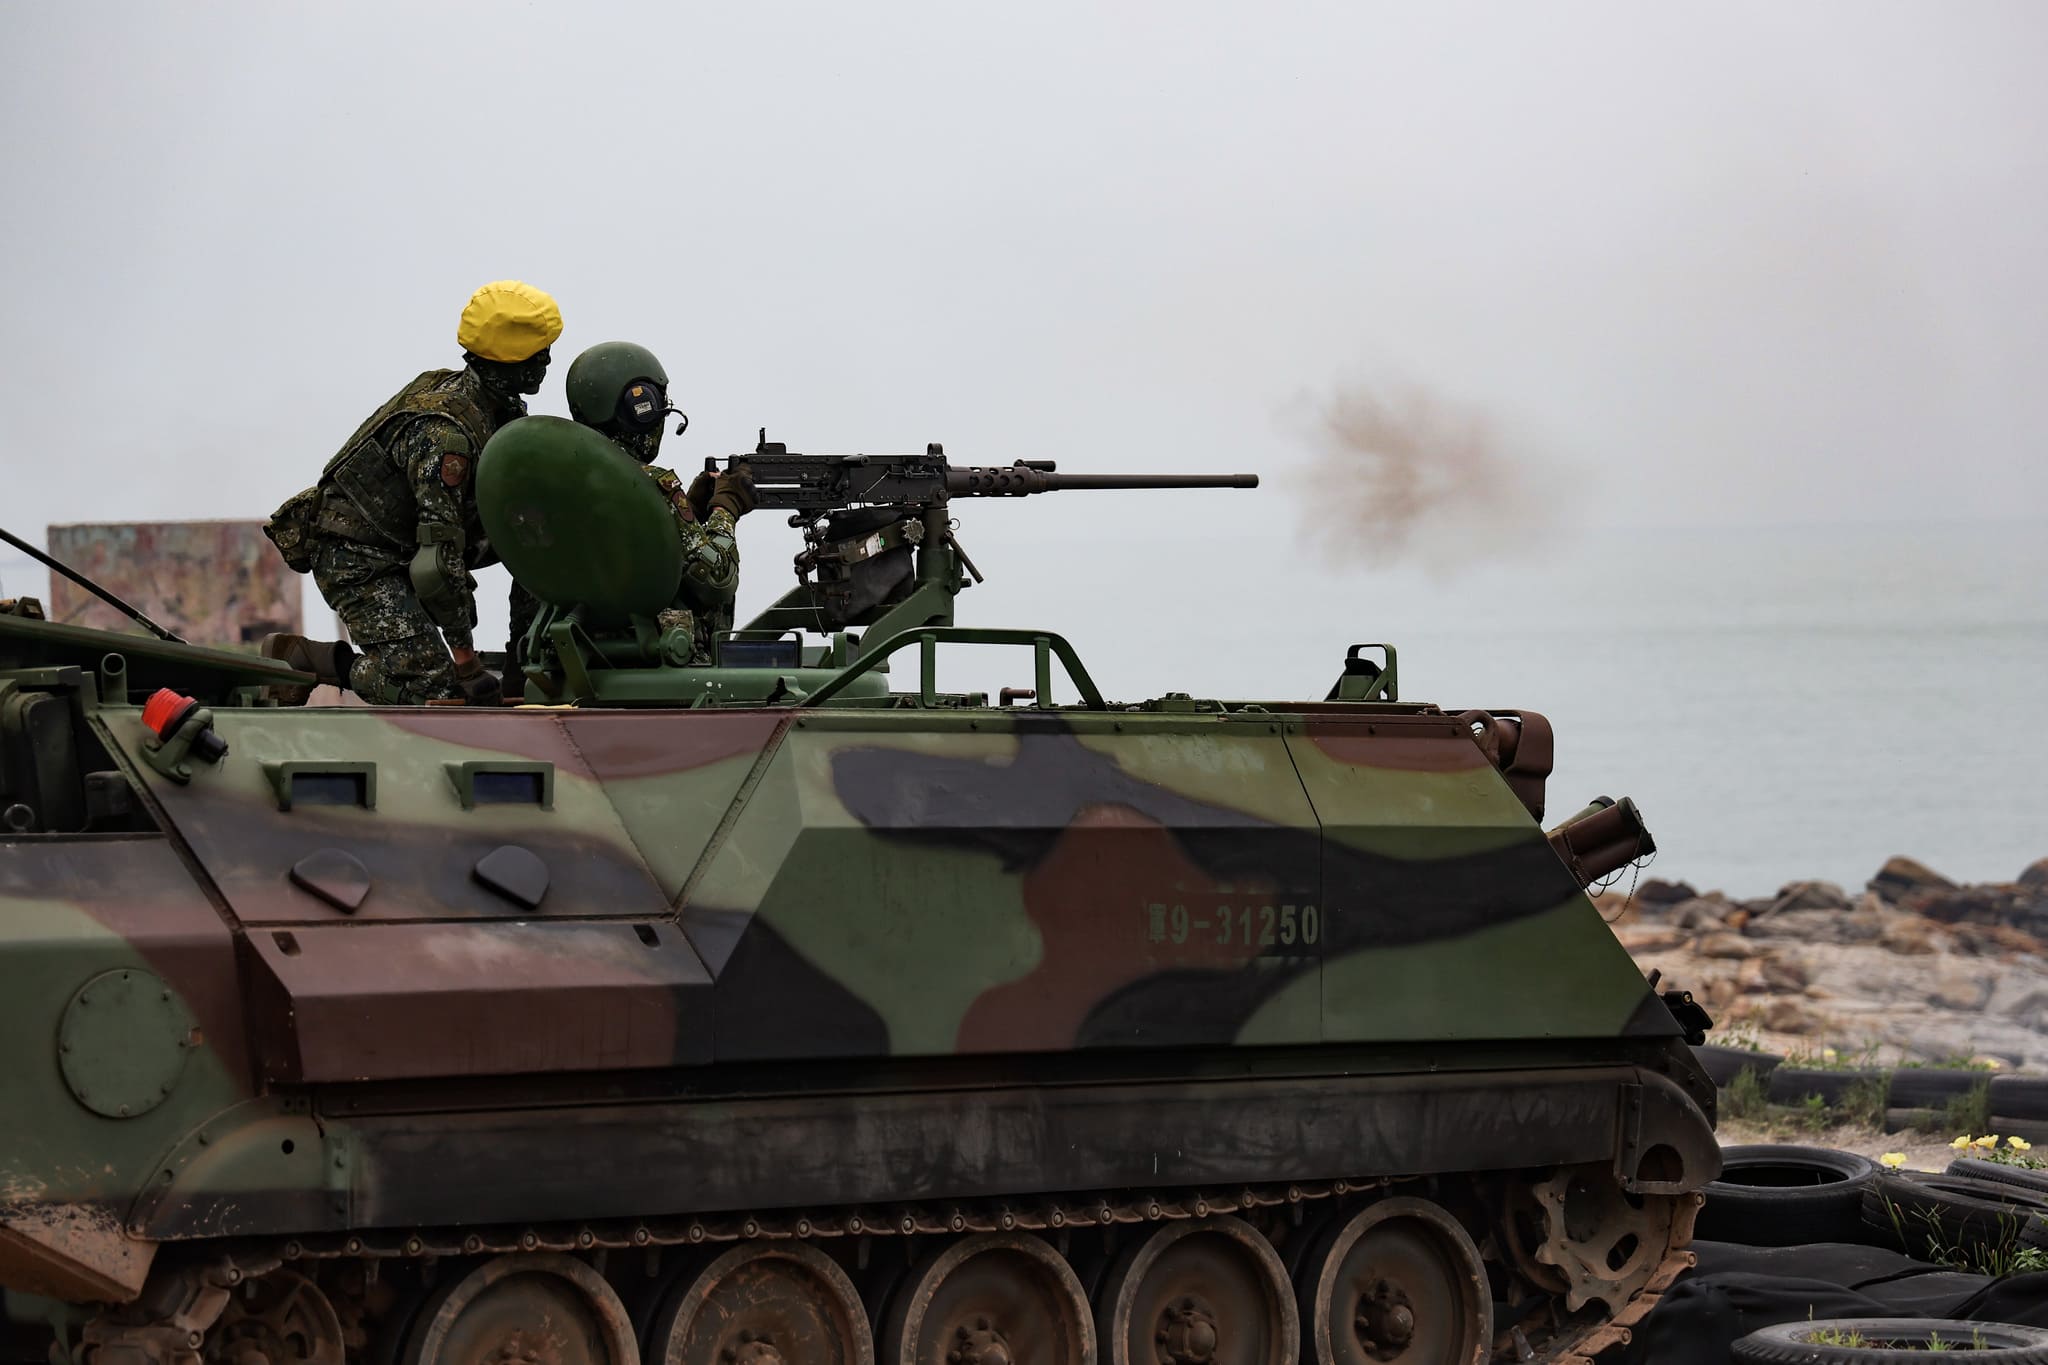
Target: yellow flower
[1961, 1142]
[1893, 1159]
[1827, 1054]
[2019, 1144]
[1987, 1142]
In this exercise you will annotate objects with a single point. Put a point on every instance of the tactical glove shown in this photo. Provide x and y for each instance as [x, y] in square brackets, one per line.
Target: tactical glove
[699, 496]
[479, 686]
[734, 491]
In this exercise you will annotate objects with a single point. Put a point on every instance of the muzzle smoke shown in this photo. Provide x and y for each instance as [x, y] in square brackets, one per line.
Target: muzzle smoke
[1404, 474]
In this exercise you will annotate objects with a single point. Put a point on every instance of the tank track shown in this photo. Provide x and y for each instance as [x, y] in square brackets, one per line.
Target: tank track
[1545, 1330]
[908, 1220]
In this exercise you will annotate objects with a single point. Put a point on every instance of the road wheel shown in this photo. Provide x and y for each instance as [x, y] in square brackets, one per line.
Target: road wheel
[1400, 1280]
[763, 1303]
[996, 1298]
[544, 1309]
[1209, 1291]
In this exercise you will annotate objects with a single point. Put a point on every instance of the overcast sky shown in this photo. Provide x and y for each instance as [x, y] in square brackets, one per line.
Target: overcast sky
[1706, 267]
[1720, 264]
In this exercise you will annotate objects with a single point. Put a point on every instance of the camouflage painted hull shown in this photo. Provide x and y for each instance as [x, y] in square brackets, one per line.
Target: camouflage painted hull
[393, 986]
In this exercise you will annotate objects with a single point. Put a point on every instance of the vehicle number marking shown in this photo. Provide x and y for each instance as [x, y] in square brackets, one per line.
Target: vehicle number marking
[1241, 926]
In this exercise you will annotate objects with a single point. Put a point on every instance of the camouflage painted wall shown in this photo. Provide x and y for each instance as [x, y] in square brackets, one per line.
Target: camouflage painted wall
[213, 582]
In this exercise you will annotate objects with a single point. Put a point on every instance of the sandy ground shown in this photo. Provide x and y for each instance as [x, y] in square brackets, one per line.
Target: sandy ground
[1924, 1151]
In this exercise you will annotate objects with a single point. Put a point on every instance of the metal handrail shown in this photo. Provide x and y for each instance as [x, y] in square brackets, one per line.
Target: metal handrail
[1044, 644]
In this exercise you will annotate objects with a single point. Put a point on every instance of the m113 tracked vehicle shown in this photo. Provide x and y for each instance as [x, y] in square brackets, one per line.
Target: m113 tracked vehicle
[792, 1009]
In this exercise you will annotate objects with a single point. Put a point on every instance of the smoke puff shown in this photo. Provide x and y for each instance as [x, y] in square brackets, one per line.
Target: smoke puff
[1404, 474]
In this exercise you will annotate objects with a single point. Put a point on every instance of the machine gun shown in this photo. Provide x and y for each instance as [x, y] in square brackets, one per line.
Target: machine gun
[585, 530]
[813, 485]
[879, 548]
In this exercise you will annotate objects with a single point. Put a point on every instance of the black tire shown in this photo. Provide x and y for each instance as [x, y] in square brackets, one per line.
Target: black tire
[1929, 1087]
[1921, 1214]
[2019, 1126]
[1724, 1064]
[1792, 1084]
[1976, 1168]
[1791, 1343]
[1774, 1195]
[1915, 1120]
[2023, 1097]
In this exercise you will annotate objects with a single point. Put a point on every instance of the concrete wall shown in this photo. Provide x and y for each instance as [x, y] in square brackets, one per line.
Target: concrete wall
[213, 582]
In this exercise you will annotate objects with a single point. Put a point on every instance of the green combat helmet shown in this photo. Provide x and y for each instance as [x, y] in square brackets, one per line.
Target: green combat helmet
[620, 388]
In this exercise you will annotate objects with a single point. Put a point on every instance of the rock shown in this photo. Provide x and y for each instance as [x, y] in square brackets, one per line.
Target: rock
[2023, 999]
[1901, 877]
[1815, 926]
[1655, 891]
[1958, 988]
[1648, 938]
[2035, 878]
[1909, 936]
[1725, 945]
[1809, 896]
[1701, 912]
[1784, 973]
[1789, 1016]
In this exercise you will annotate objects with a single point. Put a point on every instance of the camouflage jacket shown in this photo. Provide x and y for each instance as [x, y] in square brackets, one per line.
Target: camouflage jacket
[407, 476]
[711, 551]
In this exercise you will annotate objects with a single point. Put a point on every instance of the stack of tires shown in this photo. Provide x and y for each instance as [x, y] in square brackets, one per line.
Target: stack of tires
[1772, 1195]
[2019, 1107]
[1979, 1213]
[1915, 1097]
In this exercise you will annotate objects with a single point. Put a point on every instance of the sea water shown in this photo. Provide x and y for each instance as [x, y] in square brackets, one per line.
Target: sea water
[1782, 704]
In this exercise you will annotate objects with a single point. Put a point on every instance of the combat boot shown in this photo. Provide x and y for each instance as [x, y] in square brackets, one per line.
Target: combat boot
[327, 660]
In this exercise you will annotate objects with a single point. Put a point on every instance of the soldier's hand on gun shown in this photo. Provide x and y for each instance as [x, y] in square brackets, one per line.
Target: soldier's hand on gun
[699, 496]
[734, 490]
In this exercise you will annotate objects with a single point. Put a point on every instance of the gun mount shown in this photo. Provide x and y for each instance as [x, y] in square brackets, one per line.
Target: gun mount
[580, 525]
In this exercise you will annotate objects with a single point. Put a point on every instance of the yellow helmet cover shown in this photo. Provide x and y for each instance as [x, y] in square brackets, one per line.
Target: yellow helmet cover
[509, 321]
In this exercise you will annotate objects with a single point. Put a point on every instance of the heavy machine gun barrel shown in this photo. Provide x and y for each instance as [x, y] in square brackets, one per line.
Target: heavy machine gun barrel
[817, 484]
[1015, 480]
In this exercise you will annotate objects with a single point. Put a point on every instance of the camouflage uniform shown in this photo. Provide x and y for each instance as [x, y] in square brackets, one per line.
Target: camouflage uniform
[711, 573]
[411, 481]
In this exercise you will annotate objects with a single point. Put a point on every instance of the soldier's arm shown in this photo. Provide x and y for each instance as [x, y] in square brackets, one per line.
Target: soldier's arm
[711, 552]
[711, 560]
[439, 462]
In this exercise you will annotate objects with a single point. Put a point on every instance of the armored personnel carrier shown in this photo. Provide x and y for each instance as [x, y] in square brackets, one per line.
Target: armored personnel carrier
[793, 1009]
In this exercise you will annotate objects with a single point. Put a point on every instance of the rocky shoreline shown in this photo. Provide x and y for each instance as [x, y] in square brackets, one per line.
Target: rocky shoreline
[1912, 969]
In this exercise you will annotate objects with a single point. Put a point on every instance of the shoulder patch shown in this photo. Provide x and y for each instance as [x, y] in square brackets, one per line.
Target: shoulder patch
[454, 469]
[449, 437]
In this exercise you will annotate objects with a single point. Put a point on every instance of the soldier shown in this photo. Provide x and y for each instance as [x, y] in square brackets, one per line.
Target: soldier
[390, 532]
[621, 390]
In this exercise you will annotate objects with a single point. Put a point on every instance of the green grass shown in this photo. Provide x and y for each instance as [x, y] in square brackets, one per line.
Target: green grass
[2008, 1255]
[1863, 1101]
[1970, 1112]
[1746, 1096]
[1835, 1059]
[1835, 1336]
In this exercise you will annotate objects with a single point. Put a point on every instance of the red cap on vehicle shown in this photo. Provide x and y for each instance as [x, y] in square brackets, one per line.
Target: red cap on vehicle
[165, 708]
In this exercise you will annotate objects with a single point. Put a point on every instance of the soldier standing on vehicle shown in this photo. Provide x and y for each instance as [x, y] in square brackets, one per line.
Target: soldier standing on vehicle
[390, 533]
[621, 390]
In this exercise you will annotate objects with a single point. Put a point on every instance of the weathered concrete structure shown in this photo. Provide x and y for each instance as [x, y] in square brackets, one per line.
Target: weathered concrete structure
[213, 582]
